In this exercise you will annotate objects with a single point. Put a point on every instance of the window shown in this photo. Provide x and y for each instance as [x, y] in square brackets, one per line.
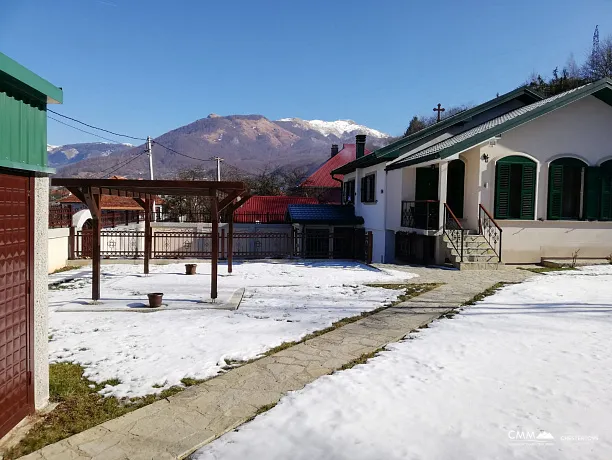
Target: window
[515, 181]
[568, 193]
[368, 192]
[348, 192]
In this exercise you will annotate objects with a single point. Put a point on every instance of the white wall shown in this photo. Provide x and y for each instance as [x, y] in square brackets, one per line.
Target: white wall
[58, 248]
[374, 213]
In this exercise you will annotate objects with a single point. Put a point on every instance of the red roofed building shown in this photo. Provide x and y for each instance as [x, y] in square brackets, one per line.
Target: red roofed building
[321, 184]
[268, 209]
[115, 203]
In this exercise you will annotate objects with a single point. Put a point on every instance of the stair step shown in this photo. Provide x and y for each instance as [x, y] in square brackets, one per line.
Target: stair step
[479, 266]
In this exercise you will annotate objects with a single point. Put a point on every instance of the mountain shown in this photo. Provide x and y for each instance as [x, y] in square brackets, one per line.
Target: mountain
[63, 155]
[248, 142]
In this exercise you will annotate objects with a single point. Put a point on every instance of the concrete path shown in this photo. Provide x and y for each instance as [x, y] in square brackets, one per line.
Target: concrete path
[175, 427]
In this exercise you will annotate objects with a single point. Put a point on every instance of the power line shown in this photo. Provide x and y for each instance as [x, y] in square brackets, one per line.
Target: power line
[181, 154]
[114, 141]
[121, 165]
[95, 127]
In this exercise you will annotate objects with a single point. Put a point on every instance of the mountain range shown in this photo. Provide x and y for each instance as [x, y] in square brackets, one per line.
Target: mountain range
[246, 142]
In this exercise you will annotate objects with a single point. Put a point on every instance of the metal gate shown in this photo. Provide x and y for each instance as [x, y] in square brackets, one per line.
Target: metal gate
[16, 318]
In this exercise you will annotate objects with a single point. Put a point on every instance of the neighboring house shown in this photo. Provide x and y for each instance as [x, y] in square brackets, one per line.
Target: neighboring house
[24, 204]
[108, 203]
[268, 209]
[325, 186]
[539, 169]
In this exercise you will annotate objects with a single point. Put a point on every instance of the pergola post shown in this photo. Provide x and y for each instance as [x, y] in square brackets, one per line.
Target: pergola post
[148, 235]
[230, 242]
[93, 203]
[215, 248]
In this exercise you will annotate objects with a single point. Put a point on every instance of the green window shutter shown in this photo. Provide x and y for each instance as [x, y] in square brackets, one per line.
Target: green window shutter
[502, 191]
[528, 192]
[606, 196]
[555, 191]
[592, 193]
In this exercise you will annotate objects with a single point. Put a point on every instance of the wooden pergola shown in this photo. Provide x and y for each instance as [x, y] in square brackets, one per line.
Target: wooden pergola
[90, 191]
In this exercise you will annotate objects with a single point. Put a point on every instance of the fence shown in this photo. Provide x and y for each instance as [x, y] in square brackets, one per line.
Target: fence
[60, 217]
[347, 243]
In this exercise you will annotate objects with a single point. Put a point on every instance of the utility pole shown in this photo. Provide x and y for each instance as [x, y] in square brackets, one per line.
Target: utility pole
[218, 160]
[150, 153]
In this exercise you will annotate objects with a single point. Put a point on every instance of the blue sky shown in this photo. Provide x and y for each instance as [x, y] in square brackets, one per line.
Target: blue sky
[146, 67]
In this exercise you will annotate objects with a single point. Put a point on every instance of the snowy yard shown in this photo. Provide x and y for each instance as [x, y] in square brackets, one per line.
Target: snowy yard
[148, 352]
[527, 373]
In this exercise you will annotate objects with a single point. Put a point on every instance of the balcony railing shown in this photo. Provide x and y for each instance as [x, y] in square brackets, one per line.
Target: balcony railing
[421, 214]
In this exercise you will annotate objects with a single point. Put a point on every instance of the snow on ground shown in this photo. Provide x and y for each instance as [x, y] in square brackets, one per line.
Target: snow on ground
[531, 361]
[152, 351]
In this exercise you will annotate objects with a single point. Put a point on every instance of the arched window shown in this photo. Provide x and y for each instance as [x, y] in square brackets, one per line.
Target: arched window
[566, 189]
[515, 182]
[606, 190]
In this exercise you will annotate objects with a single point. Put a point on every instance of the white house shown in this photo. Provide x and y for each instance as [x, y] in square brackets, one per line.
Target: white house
[519, 179]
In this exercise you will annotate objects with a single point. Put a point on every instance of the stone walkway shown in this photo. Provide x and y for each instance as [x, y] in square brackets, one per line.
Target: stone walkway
[175, 427]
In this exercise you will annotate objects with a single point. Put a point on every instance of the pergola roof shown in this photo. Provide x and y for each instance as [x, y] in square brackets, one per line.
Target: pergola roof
[150, 188]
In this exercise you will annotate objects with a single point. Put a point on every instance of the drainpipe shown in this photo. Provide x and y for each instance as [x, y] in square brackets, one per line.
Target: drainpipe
[341, 183]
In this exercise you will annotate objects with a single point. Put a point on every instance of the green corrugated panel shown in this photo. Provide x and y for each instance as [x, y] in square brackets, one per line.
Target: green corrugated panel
[23, 135]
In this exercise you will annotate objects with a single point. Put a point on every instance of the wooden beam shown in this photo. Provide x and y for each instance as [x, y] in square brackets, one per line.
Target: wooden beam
[142, 203]
[93, 203]
[215, 248]
[78, 193]
[148, 235]
[225, 202]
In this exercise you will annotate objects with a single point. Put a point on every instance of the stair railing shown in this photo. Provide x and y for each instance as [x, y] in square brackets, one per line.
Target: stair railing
[454, 231]
[492, 232]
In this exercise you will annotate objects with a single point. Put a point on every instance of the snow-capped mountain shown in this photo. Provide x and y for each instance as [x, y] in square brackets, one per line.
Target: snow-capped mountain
[338, 128]
[62, 155]
[250, 142]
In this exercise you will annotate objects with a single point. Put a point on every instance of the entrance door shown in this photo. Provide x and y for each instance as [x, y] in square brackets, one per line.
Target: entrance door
[426, 191]
[455, 186]
[16, 395]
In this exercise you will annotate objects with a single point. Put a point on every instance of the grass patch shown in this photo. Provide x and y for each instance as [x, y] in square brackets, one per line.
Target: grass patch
[80, 407]
[546, 269]
[189, 382]
[362, 359]
[260, 411]
[65, 269]
[486, 293]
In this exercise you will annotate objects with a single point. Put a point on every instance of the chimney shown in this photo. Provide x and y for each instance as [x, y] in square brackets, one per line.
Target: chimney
[334, 150]
[360, 140]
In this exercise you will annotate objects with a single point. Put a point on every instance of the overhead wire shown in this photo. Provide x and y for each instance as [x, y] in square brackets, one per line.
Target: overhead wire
[82, 130]
[96, 127]
[118, 167]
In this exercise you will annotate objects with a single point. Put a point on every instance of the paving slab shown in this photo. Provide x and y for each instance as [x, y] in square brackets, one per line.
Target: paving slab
[177, 426]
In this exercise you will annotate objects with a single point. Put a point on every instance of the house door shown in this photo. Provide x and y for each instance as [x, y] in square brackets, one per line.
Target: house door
[426, 189]
[454, 187]
[16, 317]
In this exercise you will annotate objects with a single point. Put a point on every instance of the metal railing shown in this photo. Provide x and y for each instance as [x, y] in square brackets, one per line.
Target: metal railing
[61, 217]
[309, 244]
[492, 232]
[113, 244]
[421, 214]
[454, 231]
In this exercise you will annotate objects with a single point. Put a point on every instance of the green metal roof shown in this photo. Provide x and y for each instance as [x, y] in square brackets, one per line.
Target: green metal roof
[392, 151]
[601, 89]
[15, 78]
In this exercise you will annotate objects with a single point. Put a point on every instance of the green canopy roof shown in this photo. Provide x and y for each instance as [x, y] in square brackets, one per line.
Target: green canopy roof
[16, 79]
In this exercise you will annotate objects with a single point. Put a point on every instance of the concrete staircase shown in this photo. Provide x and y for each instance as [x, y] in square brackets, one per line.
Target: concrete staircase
[477, 254]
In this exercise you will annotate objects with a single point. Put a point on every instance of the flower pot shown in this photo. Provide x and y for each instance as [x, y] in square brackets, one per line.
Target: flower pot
[155, 299]
[190, 269]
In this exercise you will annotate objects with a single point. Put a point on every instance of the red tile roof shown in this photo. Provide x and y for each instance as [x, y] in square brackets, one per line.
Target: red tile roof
[119, 203]
[269, 208]
[322, 176]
